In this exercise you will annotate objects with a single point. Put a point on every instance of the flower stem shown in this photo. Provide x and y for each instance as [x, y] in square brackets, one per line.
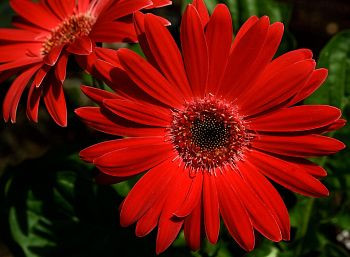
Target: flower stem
[304, 226]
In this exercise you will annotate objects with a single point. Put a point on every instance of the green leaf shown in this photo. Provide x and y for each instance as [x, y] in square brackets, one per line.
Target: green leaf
[336, 58]
[234, 10]
[211, 4]
[242, 10]
[122, 188]
[276, 10]
[248, 8]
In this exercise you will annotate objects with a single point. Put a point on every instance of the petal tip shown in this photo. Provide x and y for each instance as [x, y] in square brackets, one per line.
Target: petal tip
[78, 111]
[6, 119]
[62, 123]
[265, 19]
[325, 193]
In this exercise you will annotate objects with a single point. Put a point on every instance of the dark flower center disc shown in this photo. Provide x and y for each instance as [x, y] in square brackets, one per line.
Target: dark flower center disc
[208, 133]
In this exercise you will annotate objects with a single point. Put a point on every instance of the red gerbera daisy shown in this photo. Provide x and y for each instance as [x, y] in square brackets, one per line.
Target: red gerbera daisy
[46, 33]
[211, 128]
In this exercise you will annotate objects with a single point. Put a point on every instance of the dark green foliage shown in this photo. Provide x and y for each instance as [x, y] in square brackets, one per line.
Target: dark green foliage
[52, 207]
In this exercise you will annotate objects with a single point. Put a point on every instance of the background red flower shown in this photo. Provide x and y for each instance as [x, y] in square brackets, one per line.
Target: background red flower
[46, 34]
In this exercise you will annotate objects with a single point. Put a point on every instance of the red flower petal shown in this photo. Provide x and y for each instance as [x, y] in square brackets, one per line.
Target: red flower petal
[97, 8]
[315, 81]
[149, 221]
[285, 60]
[20, 63]
[33, 101]
[123, 8]
[149, 79]
[268, 195]
[98, 95]
[16, 51]
[298, 146]
[268, 50]
[107, 55]
[83, 5]
[146, 192]
[218, 32]
[193, 197]
[192, 228]
[52, 57]
[336, 125]
[15, 92]
[160, 3]
[298, 118]
[123, 31]
[235, 215]
[55, 102]
[202, 11]
[166, 54]
[169, 226]
[139, 22]
[29, 11]
[40, 75]
[211, 208]
[60, 70]
[195, 50]
[21, 23]
[307, 166]
[81, 46]
[18, 35]
[93, 152]
[168, 230]
[266, 94]
[287, 175]
[244, 54]
[87, 63]
[60, 8]
[261, 216]
[132, 160]
[117, 79]
[142, 113]
[243, 30]
[94, 118]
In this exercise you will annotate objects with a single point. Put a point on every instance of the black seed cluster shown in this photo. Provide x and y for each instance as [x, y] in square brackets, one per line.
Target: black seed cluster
[210, 133]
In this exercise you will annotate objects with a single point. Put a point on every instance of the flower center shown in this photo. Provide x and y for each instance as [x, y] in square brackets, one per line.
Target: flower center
[68, 31]
[209, 133]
